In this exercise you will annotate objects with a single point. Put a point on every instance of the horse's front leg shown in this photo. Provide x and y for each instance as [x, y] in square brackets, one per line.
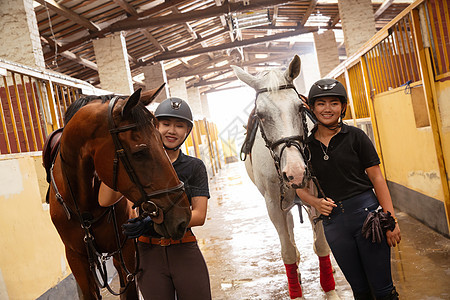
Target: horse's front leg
[80, 268]
[283, 223]
[322, 250]
[129, 257]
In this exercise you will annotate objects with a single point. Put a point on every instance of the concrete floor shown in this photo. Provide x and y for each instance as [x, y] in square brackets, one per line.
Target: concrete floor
[242, 250]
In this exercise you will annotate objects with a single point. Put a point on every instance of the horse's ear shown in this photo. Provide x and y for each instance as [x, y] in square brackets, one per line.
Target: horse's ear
[245, 77]
[148, 96]
[132, 101]
[294, 68]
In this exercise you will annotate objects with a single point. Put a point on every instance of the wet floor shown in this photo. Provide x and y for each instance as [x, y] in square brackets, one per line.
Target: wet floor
[242, 250]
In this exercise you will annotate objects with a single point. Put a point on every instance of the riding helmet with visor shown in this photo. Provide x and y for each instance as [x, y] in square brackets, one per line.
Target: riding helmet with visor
[325, 88]
[175, 108]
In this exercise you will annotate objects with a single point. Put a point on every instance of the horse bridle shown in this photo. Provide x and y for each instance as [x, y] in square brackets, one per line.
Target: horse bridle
[298, 141]
[148, 207]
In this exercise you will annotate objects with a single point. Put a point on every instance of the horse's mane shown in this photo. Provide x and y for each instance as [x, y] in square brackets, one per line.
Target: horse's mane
[80, 102]
[273, 79]
[139, 113]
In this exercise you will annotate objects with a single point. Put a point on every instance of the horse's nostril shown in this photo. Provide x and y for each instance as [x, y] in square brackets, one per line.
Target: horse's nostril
[287, 178]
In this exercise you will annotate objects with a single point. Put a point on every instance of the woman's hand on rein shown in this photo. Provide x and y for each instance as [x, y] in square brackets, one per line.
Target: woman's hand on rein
[393, 237]
[325, 206]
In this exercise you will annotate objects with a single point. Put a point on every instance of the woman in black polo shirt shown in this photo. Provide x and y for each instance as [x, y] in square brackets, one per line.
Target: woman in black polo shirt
[172, 269]
[346, 165]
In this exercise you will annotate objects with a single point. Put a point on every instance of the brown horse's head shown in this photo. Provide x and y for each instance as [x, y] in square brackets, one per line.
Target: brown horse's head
[143, 172]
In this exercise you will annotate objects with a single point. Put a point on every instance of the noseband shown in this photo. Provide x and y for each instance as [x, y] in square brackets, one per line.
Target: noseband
[148, 207]
[298, 141]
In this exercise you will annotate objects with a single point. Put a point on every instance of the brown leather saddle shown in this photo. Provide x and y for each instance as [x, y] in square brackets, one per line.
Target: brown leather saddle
[51, 147]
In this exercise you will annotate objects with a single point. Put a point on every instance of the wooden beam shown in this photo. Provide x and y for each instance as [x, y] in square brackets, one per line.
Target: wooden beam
[158, 8]
[65, 12]
[176, 54]
[195, 15]
[385, 5]
[153, 40]
[334, 20]
[126, 7]
[212, 82]
[227, 67]
[309, 10]
[185, 24]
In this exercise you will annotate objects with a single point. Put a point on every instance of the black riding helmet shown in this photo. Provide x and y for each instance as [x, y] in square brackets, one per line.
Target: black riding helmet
[327, 87]
[175, 108]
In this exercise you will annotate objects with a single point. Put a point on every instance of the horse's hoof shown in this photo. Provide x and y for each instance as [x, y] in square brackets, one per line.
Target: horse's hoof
[332, 295]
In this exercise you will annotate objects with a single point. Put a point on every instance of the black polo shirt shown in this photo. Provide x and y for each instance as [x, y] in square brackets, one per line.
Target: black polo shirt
[192, 172]
[343, 175]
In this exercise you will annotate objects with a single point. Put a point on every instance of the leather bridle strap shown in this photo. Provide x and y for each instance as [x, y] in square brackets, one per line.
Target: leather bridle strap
[122, 155]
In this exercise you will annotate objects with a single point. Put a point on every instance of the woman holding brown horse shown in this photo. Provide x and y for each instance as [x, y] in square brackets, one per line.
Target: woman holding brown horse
[111, 140]
[173, 267]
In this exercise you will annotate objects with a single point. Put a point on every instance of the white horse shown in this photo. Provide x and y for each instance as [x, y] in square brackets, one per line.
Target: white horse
[280, 138]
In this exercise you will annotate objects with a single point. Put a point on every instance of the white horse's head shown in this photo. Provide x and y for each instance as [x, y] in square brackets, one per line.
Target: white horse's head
[282, 124]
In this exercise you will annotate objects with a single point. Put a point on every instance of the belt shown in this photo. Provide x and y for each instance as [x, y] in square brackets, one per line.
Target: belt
[187, 238]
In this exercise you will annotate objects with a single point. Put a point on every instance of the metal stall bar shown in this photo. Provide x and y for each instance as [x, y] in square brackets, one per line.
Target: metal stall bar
[36, 111]
[19, 106]
[30, 118]
[391, 82]
[400, 56]
[63, 97]
[48, 87]
[58, 102]
[393, 61]
[383, 67]
[4, 127]
[437, 53]
[402, 40]
[410, 50]
[414, 64]
[11, 112]
[447, 25]
[442, 35]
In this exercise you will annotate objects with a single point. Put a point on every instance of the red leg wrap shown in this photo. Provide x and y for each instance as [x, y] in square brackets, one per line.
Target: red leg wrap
[326, 274]
[295, 290]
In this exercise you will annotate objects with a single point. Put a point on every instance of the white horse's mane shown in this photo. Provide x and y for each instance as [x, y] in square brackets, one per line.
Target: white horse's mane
[272, 79]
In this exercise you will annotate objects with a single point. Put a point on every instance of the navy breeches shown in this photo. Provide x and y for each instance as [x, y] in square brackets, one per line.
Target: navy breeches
[366, 265]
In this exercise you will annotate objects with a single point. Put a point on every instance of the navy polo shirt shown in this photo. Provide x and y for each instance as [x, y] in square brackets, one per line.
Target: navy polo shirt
[192, 172]
[350, 153]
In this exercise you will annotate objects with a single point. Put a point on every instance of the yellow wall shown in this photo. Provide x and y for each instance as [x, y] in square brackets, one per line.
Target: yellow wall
[32, 258]
[408, 152]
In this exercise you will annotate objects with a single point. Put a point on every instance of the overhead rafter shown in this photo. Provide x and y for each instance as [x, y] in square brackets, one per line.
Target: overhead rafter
[385, 5]
[126, 7]
[227, 67]
[176, 54]
[63, 11]
[309, 10]
[194, 15]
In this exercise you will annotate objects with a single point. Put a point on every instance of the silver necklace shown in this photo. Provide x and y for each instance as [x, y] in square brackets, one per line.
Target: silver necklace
[325, 155]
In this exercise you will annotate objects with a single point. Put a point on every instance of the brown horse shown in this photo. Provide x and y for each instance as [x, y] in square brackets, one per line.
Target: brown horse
[112, 140]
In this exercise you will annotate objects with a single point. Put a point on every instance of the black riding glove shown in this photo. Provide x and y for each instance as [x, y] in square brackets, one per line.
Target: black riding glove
[136, 227]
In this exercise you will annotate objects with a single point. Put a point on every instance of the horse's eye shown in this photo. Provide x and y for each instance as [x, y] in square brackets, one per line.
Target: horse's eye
[140, 155]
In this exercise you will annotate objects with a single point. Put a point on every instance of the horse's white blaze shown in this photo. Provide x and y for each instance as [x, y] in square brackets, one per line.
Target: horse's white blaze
[294, 170]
